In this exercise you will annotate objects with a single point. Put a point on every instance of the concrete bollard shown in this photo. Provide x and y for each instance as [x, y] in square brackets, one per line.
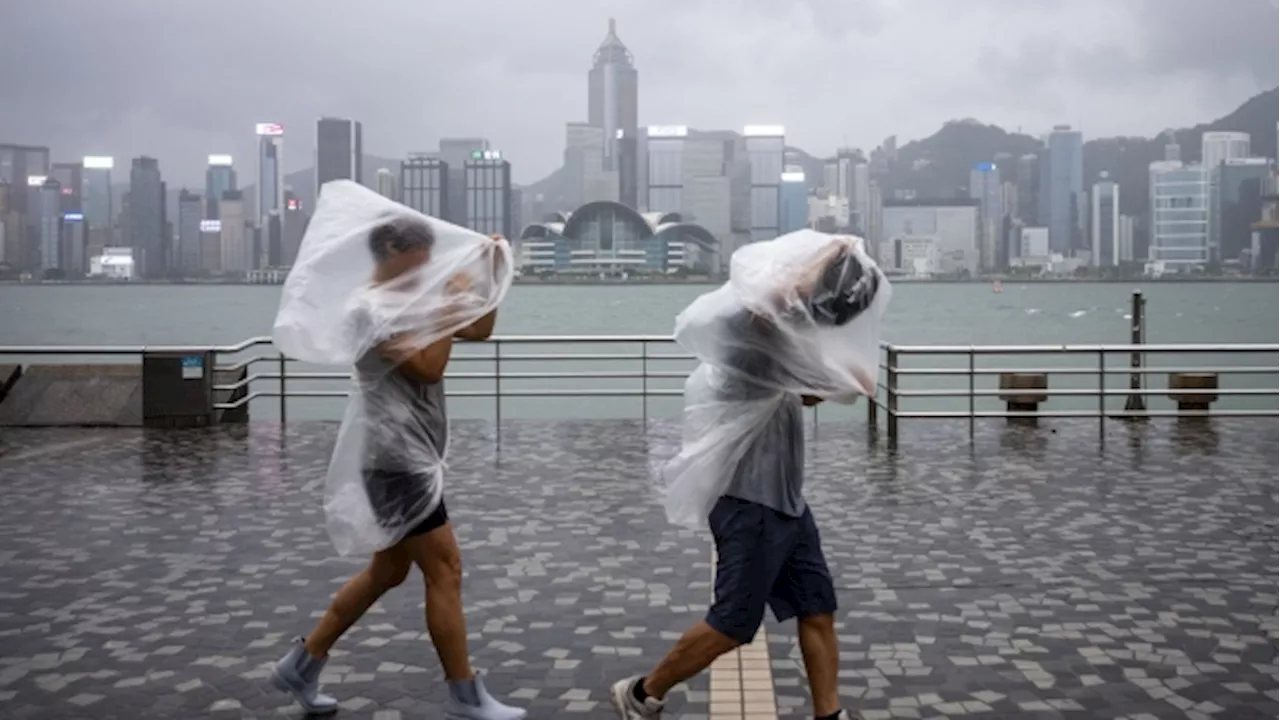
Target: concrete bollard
[1193, 402]
[1023, 393]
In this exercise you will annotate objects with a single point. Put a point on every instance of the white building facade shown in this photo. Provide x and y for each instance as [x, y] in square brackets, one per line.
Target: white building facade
[1179, 216]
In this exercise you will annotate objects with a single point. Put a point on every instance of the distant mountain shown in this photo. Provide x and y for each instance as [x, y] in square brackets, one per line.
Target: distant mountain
[938, 166]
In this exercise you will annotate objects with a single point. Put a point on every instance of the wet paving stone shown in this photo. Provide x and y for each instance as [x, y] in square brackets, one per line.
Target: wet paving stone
[1025, 573]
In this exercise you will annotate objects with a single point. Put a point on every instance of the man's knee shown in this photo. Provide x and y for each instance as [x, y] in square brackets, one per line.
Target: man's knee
[737, 622]
[438, 555]
[388, 573]
[818, 622]
[444, 572]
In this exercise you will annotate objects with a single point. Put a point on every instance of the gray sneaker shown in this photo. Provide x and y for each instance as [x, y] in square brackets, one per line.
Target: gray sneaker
[469, 700]
[298, 674]
[624, 701]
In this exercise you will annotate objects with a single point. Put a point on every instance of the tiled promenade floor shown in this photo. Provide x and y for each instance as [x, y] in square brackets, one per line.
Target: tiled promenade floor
[1032, 573]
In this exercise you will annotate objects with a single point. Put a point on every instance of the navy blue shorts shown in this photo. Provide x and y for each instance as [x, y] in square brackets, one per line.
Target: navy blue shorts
[765, 558]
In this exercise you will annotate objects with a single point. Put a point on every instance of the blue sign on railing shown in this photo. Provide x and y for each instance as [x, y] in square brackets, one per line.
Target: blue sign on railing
[192, 367]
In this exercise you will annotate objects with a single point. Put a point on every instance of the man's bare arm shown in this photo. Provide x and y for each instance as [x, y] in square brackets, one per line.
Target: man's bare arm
[479, 330]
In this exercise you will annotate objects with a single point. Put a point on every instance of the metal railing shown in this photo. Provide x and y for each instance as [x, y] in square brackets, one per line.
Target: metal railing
[1094, 369]
[272, 375]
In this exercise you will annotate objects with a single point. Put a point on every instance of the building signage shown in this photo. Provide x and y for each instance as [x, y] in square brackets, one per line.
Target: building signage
[98, 162]
[764, 131]
[668, 130]
[269, 129]
[219, 159]
[210, 226]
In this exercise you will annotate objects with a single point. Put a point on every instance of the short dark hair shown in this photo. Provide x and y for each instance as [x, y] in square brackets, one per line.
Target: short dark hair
[400, 235]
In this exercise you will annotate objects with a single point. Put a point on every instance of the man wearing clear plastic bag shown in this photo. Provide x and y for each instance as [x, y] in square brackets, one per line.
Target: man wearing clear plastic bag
[384, 491]
[797, 323]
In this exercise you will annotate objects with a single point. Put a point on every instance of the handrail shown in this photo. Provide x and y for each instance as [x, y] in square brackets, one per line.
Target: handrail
[260, 383]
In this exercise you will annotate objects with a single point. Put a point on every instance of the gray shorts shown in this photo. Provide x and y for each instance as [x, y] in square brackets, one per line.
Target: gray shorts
[764, 557]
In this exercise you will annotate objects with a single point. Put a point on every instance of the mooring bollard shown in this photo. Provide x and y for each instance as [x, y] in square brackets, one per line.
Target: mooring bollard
[1193, 402]
[1019, 391]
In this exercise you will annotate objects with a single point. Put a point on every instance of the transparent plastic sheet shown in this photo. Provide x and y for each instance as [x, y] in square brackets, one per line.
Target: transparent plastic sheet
[800, 315]
[386, 472]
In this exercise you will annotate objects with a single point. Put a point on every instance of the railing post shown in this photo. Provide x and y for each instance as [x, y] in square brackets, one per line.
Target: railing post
[497, 385]
[284, 400]
[1136, 402]
[872, 420]
[891, 397]
[1102, 395]
[644, 381]
[971, 392]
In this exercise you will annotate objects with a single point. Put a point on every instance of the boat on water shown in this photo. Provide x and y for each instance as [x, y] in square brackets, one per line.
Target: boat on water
[997, 287]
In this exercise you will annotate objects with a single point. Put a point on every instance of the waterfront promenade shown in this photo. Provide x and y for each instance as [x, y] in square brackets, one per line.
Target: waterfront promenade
[1030, 573]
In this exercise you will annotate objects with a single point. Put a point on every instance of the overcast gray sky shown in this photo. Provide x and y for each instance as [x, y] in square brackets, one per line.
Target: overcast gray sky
[179, 79]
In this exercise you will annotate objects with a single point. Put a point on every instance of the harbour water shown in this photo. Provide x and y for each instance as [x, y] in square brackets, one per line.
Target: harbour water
[920, 314]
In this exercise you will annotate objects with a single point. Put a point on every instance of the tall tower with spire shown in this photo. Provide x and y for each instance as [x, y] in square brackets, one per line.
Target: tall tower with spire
[613, 94]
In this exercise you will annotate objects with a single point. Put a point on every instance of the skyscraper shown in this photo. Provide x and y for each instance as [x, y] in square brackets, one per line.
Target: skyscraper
[270, 191]
[985, 187]
[424, 185]
[235, 245]
[190, 215]
[1179, 216]
[295, 226]
[69, 177]
[1215, 149]
[765, 147]
[339, 151]
[147, 218]
[219, 178]
[629, 169]
[1028, 185]
[488, 193]
[1236, 203]
[665, 167]
[17, 163]
[795, 200]
[613, 94]
[96, 199]
[587, 180]
[1218, 147]
[46, 216]
[387, 186]
[1064, 190]
[75, 260]
[456, 152]
[1104, 216]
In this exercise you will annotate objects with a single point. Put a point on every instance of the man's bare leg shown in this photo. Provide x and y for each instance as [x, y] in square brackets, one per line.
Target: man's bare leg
[298, 672]
[387, 570]
[693, 653]
[437, 554]
[821, 654]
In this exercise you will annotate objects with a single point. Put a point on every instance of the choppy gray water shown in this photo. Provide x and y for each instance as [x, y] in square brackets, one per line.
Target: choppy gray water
[921, 313]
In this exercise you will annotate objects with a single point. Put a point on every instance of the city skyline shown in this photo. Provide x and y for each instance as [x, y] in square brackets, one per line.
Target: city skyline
[1086, 76]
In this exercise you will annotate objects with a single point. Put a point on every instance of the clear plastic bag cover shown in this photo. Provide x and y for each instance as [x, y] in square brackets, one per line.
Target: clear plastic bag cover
[800, 315]
[386, 472]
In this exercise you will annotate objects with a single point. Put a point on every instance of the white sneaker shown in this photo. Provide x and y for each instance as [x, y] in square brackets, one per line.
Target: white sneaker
[624, 701]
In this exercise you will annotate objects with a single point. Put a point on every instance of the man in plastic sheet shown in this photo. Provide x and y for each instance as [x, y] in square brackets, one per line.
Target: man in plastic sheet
[403, 396]
[768, 548]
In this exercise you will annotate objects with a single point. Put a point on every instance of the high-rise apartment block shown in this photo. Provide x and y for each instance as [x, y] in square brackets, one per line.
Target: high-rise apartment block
[339, 151]
[147, 219]
[488, 193]
[424, 185]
